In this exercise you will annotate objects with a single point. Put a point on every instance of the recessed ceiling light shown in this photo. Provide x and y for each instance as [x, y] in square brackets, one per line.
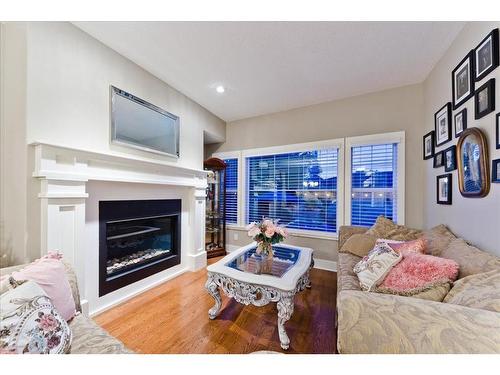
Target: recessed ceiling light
[220, 89]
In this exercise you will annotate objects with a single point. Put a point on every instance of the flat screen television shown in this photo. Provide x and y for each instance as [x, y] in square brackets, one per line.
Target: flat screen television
[139, 124]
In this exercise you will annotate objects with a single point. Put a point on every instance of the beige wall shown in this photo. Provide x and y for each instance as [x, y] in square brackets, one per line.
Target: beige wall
[475, 219]
[58, 84]
[385, 111]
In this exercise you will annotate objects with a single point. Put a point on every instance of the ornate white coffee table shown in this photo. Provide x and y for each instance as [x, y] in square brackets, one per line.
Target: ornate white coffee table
[236, 275]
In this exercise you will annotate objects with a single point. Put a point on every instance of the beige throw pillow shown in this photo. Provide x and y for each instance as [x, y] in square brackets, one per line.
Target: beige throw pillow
[480, 291]
[373, 268]
[385, 228]
[437, 239]
[470, 259]
[381, 228]
[359, 244]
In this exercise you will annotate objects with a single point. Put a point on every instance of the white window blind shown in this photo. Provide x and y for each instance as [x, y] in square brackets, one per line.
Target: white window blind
[299, 188]
[231, 191]
[373, 183]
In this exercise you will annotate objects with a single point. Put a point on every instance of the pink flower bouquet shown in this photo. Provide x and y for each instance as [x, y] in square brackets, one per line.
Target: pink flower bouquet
[266, 233]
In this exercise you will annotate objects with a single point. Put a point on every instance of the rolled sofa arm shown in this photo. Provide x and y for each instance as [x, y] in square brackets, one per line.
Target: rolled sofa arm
[379, 323]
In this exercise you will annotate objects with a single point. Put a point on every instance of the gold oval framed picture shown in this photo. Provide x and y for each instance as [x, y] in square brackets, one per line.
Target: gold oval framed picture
[473, 164]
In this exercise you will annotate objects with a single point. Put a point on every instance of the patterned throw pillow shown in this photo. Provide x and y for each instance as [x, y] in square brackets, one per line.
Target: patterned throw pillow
[373, 268]
[30, 324]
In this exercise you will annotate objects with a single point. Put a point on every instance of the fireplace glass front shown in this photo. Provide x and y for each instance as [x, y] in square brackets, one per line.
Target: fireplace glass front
[137, 239]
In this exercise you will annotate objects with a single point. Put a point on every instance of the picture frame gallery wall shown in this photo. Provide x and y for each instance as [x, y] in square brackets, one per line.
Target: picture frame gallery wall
[470, 156]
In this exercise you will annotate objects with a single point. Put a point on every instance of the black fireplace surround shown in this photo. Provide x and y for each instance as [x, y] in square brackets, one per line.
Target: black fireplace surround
[137, 238]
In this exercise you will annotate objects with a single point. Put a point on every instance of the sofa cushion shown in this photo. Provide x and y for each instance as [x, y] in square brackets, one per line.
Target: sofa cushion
[30, 323]
[372, 269]
[470, 259]
[89, 338]
[437, 239]
[50, 273]
[346, 278]
[359, 244]
[480, 291]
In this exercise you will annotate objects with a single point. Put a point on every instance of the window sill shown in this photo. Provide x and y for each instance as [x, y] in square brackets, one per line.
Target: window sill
[296, 233]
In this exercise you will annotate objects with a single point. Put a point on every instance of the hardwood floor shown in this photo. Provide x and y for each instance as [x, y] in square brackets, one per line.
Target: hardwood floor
[173, 318]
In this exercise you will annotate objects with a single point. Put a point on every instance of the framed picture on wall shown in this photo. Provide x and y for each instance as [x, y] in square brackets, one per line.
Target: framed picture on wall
[450, 159]
[428, 142]
[443, 189]
[484, 99]
[442, 124]
[498, 130]
[473, 164]
[495, 171]
[463, 80]
[438, 159]
[460, 122]
[486, 56]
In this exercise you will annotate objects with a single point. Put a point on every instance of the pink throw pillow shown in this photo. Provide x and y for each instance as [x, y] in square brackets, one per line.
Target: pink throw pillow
[416, 271]
[50, 274]
[417, 246]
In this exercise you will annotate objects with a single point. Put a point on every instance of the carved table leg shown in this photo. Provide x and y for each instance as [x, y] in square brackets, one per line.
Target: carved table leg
[213, 290]
[285, 311]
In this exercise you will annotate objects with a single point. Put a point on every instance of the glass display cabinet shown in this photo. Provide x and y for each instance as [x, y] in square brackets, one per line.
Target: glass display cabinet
[215, 222]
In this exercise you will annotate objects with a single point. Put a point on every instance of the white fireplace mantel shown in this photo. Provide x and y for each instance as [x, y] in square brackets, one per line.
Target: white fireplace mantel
[64, 172]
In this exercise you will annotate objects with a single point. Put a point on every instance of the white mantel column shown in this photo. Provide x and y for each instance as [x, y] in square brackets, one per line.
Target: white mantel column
[62, 208]
[198, 257]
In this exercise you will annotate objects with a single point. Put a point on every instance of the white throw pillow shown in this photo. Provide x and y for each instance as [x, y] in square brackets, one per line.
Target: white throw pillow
[30, 324]
[373, 268]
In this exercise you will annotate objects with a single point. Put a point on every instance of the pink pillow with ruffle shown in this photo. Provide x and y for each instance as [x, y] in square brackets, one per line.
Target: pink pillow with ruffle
[417, 271]
[416, 246]
[49, 272]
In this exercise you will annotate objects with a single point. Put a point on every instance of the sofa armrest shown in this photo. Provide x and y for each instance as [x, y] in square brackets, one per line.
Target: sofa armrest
[379, 323]
[346, 231]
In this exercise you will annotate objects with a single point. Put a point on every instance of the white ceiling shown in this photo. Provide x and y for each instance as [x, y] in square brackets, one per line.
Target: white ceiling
[274, 66]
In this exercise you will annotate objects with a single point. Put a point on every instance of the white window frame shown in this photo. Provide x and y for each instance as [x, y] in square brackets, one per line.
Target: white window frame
[234, 155]
[298, 147]
[377, 139]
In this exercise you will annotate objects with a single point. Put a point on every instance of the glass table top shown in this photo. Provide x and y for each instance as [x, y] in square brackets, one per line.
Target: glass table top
[283, 259]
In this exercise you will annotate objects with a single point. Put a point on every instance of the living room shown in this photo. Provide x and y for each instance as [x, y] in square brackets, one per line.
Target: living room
[300, 187]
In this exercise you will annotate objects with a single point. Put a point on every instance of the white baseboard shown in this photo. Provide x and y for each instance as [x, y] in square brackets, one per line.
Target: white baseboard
[327, 265]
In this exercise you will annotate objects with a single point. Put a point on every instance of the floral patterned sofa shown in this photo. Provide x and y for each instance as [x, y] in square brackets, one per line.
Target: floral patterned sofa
[383, 323]
[88, 337]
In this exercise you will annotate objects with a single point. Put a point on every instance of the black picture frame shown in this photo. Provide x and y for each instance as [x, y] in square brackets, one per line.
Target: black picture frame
[481, 71]
[442, 124]
[495, 171]
[438, 160]
[428, 155]
[443, 189]
[498, 130]
[450, 158]
[463, 118]
[489, 88]
[464, 74]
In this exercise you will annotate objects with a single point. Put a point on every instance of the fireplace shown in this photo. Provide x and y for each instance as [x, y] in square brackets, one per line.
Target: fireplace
[137, 238]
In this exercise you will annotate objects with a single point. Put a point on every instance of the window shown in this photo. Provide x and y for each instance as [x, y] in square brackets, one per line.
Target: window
[231, 190]
[376, 177]
[299, 188]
